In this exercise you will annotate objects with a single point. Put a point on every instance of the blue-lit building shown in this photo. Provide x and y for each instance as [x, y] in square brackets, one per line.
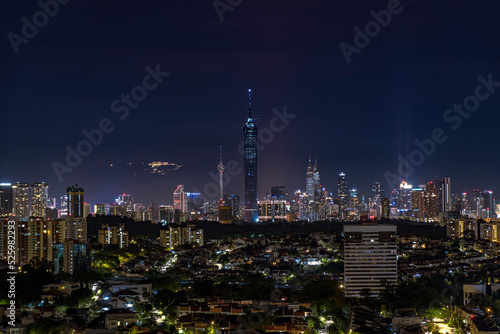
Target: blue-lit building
[250, 166]
[75, 201]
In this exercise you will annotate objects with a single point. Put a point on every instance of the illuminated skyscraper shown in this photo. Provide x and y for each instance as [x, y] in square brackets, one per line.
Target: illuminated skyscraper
[402, 198]
[180, 199]
[488, 204]
[166, 214]
[354, 200]
[250, 165]
[127, 201]
[318, 192]
[39, 196]
[378, 189]
[279, 192]
[342, 192]
[21, 195]
[75, 201]
[310, 180]
[220, 168]
[445, 195]
[5, 198]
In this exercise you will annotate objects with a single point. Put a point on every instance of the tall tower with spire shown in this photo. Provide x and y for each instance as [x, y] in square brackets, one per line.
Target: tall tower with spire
[221, 169]
[310, 180]
[250, 165]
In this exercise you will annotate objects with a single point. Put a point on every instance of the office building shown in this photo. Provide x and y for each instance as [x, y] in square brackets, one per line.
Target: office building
[250, 162]
[273, 209]
[127, 201]
[86, 209]
[385, 208]
[221, 168]
[180, 202]
[166, 214]
[101, 209]
[6, 197]
[225, 214]
[378, 190]
[370, 257]
[488, 204]
[75, 201]
[402, 198]
[279, 192]
[342, 192]
[194, 202]
[445, 195]
[234, 202]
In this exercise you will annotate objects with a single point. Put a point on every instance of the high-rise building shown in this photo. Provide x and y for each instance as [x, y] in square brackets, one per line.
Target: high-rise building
[166, 214]
[432, 200]
[310, 180]
[462, 228]
[279, 192]
[21, 196]
[69, 256]
[75, 201]
[63, 208]
[402, 198]
[194, 202]
[180, 199]
[86, 209]
[342, 192]
[39, 197]
[127, 201]
[385, 208]
[34, 238]
[174, 235]
[370, 257]
[445, 195]
[488, 204]
[225, 213]
[76, 228]
[234, 201]
[113, 234]
[101, 209]
[378, 189]
[250, 165]
[353, 197]
[6, 197]
[271, 209]
[153, 213]
[221, 168]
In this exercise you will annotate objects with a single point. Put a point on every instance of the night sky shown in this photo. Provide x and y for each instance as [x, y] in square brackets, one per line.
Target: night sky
[356, 118]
